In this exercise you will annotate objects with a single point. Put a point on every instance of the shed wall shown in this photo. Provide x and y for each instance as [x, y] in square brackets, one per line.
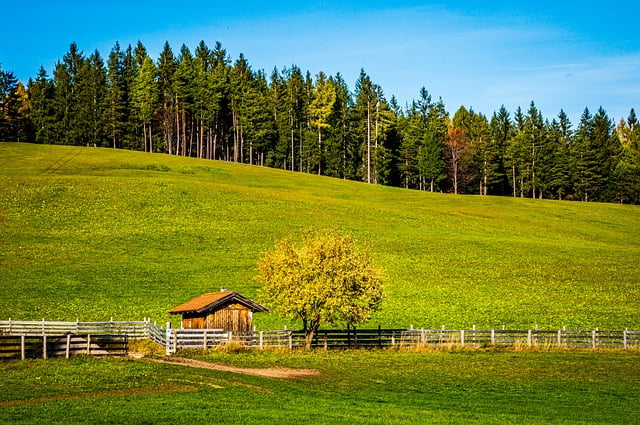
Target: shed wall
[233, 317]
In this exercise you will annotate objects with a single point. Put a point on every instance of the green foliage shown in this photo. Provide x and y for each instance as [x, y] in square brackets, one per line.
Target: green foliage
[324, 281]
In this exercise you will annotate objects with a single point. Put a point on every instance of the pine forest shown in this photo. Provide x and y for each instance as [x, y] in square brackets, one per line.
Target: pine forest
[203, 104]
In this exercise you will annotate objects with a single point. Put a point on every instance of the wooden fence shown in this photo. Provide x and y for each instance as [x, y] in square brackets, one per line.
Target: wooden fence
[408, 338]
[31, 338]
[46, 346]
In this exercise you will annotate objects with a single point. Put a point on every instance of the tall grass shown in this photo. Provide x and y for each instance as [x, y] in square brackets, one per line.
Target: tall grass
[96, 233]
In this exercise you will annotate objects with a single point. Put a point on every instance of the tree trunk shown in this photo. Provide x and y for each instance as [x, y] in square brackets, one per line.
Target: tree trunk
[144, 135]
[455, 177]
[368, 144]
[319, 151]
[310, 333]
[150, 138]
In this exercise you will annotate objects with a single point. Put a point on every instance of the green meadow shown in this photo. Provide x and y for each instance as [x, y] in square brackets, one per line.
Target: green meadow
[94, 234]
[353, 387]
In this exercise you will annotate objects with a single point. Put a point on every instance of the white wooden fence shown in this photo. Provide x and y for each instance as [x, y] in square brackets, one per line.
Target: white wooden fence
[175, 339]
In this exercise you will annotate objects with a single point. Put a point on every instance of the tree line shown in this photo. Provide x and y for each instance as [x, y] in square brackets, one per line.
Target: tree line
[204, 104]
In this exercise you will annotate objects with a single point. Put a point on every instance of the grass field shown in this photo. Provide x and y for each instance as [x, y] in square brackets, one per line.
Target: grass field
[352, 387]
[96, 233]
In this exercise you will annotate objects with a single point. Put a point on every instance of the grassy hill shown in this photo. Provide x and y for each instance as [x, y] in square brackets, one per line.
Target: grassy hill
[95, 233]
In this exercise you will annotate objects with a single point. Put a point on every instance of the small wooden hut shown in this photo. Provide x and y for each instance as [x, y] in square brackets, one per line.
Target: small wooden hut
[226, 310]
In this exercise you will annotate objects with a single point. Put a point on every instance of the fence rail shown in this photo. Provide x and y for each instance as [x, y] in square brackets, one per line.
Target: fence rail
[175, 339]
[139, 329]
[45, 346]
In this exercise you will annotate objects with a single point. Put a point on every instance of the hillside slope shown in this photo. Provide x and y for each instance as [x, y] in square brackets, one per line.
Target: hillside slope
[95, 233]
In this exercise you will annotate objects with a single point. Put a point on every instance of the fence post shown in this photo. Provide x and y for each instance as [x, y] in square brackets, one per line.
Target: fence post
[624, 338]
[462, 338]
[493, 336]
[168, 339]
[89, 344]
[559, 338]
[290, 340]
[44, 347]
[9, 325]
[529, 341]
[393, 338]
[594, 334]
[261, 340]
[326, 341]
[68, 348]
[204, 339]
[22, 350]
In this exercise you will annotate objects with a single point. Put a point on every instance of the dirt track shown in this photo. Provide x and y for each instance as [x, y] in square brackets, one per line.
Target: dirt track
[281, 373]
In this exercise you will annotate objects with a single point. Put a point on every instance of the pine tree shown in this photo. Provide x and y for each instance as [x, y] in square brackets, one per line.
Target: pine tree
[145, 97]
[219, 107]
[607, 150]
[241, 78]
[559, 141]
[131, 125]
[501, 132]
[431, 157]
[184, 98]
[584, 159]
[320, 108]
[41, 98]
[166, 73]
[9, 106]
[116, 97]
[92, 97]
[342, 157]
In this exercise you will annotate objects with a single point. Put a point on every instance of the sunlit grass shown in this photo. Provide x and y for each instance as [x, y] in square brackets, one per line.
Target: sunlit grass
[95, 233]
[376, 387]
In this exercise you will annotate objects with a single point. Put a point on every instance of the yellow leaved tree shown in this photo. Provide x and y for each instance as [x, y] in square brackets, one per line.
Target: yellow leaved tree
[325, 280]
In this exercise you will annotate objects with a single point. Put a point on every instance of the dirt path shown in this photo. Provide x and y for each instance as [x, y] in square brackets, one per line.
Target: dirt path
[281, 373]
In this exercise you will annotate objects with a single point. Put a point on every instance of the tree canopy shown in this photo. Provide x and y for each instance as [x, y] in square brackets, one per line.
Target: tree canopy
[325, 280]
[203, 104]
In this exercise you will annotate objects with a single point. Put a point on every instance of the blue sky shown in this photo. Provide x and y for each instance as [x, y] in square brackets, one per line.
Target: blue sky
[568, 55]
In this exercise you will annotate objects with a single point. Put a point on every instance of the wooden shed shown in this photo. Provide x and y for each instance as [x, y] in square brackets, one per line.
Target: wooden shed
[225, 310]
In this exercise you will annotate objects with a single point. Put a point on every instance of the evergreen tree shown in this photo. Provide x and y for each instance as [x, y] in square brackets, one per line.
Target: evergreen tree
[167, 67]
[145, 97]
[366, 94]
[559, 140]
[584, 159]
[241, 78]
[68, 123]
[116, 97]
[131, 125]
[501, 132]
[516, 155]
[431, 157]
[92, 98]
[320, 108]
[9, 106]
[42, 115]
[342, 155]
[607, 150]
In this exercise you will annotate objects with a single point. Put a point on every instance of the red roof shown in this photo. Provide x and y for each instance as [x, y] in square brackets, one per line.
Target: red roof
[216, 300]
